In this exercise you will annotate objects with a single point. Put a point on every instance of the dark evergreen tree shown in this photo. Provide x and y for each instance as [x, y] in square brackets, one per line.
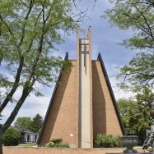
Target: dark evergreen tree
[36, 123]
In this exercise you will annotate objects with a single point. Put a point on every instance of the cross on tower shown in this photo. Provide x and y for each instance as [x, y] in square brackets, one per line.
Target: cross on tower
[85, 52]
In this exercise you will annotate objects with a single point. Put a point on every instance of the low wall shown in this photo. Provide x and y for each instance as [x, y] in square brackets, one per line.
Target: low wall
[36, 150]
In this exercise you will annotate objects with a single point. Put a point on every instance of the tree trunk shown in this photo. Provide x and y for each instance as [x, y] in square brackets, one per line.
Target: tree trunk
[1, 150]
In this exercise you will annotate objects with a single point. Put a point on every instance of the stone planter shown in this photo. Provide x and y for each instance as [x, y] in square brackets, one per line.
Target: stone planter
[129, 141]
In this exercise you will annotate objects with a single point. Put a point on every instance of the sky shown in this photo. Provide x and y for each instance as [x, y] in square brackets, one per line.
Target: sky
[104, 40]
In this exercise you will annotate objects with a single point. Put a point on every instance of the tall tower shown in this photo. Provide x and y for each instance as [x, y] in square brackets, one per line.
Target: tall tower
[85, 101]
[83, 104]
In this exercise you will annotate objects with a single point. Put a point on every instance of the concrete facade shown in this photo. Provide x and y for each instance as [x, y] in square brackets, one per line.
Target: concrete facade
[83, 104]
[84, 84]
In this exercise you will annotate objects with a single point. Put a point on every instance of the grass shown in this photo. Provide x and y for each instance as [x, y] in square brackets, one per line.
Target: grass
[28, 145]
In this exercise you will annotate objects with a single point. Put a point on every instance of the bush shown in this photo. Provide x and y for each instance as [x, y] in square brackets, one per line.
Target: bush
[116, 141]
[150, 149]
[57, 143]
[57, 140]
[103, 140]
[11, 137]
[50, 144]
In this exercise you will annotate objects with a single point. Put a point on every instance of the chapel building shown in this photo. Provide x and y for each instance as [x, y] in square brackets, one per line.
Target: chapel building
[83, 104]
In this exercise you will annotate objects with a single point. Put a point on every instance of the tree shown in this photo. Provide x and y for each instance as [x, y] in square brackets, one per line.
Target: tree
[139, 72]
[125, 104]
[137, 15]
[36, 123]
[23, 123]
[136, 113]
[11, 137]
[135, 119]
[29, 31]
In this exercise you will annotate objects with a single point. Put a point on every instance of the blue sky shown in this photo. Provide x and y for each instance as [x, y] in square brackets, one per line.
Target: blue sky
[104, 40]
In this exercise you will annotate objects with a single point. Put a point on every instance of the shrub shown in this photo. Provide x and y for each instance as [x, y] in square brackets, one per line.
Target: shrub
[57, 143]
[150, 149]
[50, 144]
[103, 140]
[116, 141]
[57, 140]
[11, 137]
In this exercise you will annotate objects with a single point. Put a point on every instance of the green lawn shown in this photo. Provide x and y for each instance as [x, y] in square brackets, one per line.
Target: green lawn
[27, 145]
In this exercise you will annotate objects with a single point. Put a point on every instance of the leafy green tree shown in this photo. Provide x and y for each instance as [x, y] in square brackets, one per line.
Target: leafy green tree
[135, 117]
[139, 72]
[11, 137]
[23, 123]
[124, 105]
[145, 97]
[138, 16]
[136, 113]
[36, 123]
[29, 31]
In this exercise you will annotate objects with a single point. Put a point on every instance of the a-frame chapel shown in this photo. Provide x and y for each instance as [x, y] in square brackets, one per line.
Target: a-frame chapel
[83, 104]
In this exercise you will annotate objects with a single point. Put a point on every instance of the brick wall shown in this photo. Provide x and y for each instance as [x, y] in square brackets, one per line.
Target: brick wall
[62, 121]
[62, 118]
[18, 150]
[105, 119]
